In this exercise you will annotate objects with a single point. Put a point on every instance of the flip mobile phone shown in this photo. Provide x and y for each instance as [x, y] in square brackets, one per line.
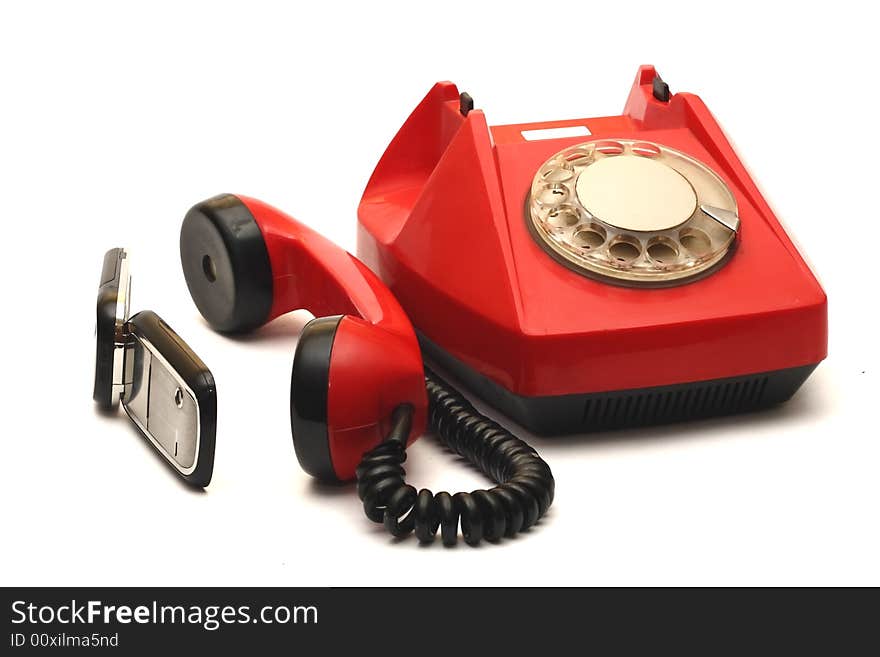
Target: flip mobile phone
[164, 387]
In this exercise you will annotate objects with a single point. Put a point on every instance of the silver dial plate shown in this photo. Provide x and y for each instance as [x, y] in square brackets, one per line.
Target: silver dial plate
[632, 211]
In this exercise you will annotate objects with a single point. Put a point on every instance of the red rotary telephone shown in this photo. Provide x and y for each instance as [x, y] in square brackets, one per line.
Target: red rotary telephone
[578, 275]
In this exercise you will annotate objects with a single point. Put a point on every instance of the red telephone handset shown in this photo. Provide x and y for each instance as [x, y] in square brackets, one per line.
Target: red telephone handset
[359, 391]
[247, 263]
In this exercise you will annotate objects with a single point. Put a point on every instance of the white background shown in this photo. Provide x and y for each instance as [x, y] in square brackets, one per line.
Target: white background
[114, 120]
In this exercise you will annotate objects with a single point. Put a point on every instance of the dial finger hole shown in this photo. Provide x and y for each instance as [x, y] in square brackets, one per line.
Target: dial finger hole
[609, 147]
[579, 157]
[557, 172]
[589, 238]
[625, 249]
[662, 250]
[562, 217]
[645, 149]
[552, 194]
[695, 241]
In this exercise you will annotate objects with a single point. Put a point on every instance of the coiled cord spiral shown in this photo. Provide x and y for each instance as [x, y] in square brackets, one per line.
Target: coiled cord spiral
[525, 484]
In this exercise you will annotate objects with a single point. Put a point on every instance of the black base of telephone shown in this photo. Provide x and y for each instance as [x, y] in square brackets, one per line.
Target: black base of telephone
[618, 409]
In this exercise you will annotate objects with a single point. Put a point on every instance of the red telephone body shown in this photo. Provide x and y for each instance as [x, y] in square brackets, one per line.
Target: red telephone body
[442, 222]
[247, 263]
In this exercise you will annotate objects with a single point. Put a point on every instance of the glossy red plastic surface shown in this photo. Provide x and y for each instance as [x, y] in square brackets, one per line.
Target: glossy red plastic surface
[375, 361]
[371, 373]
[442, 221]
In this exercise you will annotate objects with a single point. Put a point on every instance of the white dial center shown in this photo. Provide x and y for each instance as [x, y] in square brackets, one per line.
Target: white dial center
[636, 193]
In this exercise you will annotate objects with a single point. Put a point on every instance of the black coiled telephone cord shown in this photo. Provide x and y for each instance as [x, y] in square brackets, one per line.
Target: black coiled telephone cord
[523, 494]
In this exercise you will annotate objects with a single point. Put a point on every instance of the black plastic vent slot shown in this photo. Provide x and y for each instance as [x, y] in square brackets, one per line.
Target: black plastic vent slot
[634, 408]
